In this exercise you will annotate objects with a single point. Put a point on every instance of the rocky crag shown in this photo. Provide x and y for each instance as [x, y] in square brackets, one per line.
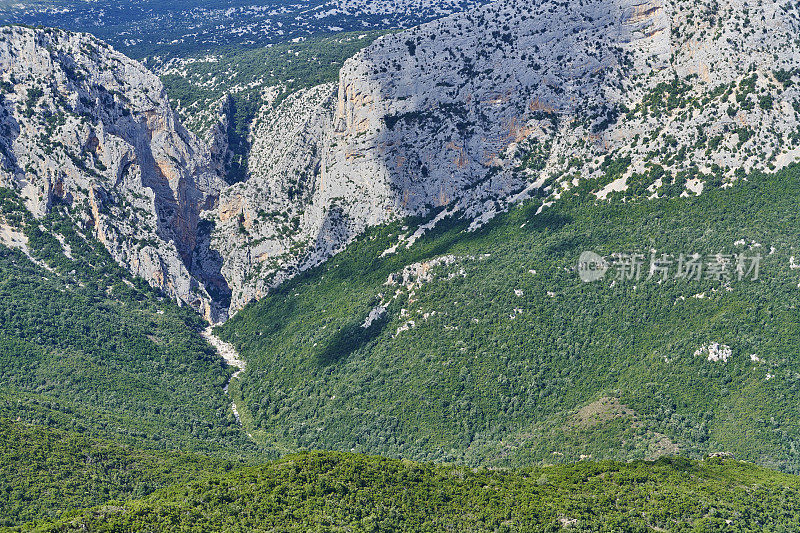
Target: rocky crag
[472, 112]
[87, 128]
[468, 114]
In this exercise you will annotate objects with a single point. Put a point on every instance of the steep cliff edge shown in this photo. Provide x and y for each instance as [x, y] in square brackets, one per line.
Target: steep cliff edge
[467, 114]
[86, 128]
[475, 111]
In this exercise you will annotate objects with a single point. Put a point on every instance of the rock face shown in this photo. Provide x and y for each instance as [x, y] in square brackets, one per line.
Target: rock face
[466, 115]
[480, 109]
[87, 128]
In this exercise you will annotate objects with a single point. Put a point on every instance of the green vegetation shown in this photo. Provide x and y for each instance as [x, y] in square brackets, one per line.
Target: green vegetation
[45, 472]
[345, 492]
[466, 355]
[536, 155]
[84, 346]
[665, 97]
[497, 361]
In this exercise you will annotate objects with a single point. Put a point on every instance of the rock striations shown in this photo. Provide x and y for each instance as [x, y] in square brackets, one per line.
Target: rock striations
[484, 108]
[85, 127]
[466, 114]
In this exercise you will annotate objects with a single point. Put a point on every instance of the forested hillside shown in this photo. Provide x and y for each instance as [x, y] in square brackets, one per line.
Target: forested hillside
[485, 347]
[87, 347]
[163, 30]
[45, 472]
[345, 492]
[520, 266]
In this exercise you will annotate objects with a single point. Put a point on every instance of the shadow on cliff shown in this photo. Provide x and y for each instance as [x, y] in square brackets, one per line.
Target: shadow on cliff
[334, 231]
[178, 209]
[9, 131]
[207, 265]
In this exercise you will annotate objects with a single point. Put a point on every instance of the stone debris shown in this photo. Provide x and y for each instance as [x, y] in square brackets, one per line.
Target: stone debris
[715, 352]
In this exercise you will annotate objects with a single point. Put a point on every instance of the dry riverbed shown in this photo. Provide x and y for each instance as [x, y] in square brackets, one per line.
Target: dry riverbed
[231, 356]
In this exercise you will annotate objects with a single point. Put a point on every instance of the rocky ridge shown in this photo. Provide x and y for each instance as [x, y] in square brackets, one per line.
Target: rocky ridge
[468, 114]
[88, 130]
[481, 109]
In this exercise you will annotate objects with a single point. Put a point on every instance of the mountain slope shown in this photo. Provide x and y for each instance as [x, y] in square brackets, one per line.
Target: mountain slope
[46, 472]
[86, 127]
[153, 30]
[468, 114]
[486, 347]
[217, 96]
[85, 346]
[480, 109]
[345, 492]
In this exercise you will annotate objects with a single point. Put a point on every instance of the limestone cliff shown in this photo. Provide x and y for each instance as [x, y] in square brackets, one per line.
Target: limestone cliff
[87, 128]
[467, 114]
[517, 98]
